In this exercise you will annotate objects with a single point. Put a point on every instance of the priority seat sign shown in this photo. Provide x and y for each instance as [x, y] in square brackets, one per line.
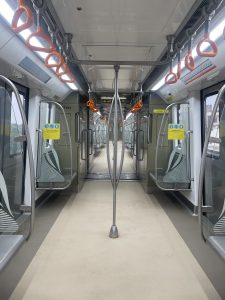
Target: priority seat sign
[51, 131]
[175, 131]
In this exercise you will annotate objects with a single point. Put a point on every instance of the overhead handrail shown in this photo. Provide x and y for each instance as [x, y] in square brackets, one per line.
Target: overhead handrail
[29, 150]
[189, 60]
[20, 10]
[203, 160]
[206, 39]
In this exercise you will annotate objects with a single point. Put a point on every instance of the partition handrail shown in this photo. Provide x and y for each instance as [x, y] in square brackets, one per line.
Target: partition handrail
[183, 101]
[70, 145]
[107, 141]
[203, 159]
[29, 151]
[40, 140]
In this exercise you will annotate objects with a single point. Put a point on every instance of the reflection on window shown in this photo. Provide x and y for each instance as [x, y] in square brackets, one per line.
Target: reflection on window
[214, 142]
[16, 126]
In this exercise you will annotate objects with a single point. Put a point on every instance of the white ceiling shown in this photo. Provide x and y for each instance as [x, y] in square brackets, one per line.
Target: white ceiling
[120, 30]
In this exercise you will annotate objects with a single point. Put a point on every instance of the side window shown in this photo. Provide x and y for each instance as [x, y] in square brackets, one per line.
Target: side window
[16, 126]
[214, 144]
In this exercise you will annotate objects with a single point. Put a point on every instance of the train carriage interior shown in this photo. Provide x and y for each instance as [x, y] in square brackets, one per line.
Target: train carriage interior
[112, 183]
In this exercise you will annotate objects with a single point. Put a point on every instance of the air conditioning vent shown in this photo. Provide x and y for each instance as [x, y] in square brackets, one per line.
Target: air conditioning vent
[31, 67]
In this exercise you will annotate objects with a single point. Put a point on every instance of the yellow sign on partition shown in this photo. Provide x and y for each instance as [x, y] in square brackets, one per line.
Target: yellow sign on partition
[160, 111]
[175, 131]
[51, 131]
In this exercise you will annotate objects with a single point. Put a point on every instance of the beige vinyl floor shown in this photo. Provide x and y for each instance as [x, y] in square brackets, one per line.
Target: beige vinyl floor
[78, 260]
[100, 161]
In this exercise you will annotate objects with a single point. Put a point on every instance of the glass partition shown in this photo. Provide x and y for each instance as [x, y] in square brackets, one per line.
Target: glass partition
[212, 180]
[172, 165]
[54, 164]
[16, 210]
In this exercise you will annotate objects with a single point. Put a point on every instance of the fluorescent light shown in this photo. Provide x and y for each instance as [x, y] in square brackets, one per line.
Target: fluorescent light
[6, 11]
[72, 86]
[107, 98]
[158, 85]
[215, 34]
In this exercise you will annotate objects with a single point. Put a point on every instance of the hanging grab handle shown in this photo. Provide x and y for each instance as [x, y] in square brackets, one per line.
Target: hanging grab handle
[189, 60]
[206, 39]
[39, 34]
[171, 77]
[22, 8]
[178, 65]
[137, 106]
[91, 105]
[64, 70]
[57, 56]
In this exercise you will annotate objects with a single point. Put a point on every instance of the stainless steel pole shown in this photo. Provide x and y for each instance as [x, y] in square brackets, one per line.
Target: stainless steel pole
[114, 230]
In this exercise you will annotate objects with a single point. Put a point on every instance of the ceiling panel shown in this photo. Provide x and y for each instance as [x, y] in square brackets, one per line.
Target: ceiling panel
[120, 30]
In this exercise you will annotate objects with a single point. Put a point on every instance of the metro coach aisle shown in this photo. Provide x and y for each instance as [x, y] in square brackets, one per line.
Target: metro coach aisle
[78, 261]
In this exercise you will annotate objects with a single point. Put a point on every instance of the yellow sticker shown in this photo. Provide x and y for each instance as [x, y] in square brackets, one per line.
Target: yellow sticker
[51, 131]
[175, 131]
[160, 111]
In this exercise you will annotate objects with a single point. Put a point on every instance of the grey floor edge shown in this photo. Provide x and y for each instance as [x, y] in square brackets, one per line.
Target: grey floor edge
[188, 228]
[46, 214]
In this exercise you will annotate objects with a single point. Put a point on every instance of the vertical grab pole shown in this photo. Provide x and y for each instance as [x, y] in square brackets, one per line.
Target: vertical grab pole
[114, 230]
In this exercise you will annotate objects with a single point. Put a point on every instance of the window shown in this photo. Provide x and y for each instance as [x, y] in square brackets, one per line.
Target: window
[214, 143]
[16, 126]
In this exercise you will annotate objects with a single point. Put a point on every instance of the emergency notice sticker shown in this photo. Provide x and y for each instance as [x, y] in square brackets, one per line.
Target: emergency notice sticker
[51, 131]
[175, 131]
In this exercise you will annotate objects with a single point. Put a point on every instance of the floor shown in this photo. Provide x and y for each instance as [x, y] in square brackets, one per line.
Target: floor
[149, 260]
[100, 165]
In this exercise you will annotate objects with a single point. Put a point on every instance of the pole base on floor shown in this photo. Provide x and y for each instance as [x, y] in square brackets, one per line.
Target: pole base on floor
[113, 234]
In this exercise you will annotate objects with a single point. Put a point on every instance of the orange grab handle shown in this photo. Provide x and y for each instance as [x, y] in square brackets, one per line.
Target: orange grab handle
[91, 105]
[65, 71]
[90, 102]
[189, 61]
[137, 106]
[58, 57]
[94, 109]
[69, 74]
[40, 34]
[212, 44]
[171, 78]
[22, 8]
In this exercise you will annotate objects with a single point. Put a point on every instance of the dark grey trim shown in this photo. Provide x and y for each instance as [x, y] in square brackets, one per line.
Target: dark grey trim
[181, 198]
